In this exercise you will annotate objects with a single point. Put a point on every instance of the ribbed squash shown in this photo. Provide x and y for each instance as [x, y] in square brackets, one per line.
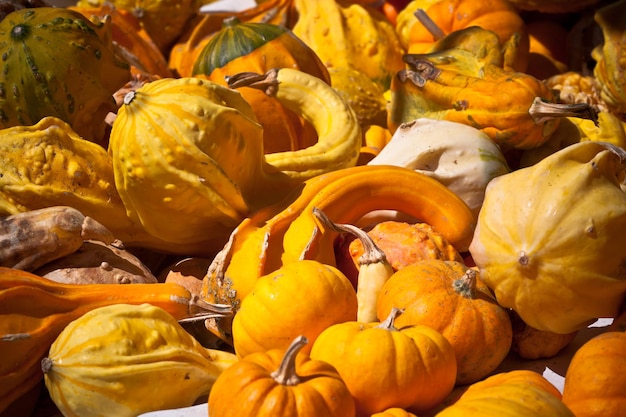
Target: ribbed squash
[258, 47]
[56, 62]
[125, 360]
[56, 167]
[185, 152]
[553, 249]
[350, 35]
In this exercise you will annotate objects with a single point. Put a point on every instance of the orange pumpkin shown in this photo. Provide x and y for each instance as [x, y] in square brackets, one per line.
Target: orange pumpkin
[450, 297]
[595, 381]
[383, 365]
[280, 383]
[498, 16]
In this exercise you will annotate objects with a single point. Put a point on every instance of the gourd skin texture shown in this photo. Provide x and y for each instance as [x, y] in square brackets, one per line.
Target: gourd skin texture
[58, 63]
[595, 381]
[106, 363]
[272, 315]
[551, 251]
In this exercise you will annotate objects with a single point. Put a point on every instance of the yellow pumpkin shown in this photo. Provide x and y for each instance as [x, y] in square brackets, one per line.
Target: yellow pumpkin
[550, 250]
[270, 317]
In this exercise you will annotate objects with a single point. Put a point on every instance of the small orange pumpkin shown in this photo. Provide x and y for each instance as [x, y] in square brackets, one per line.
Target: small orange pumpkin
[450, 297]
[383, 365]
[595, 381]
[280, 383]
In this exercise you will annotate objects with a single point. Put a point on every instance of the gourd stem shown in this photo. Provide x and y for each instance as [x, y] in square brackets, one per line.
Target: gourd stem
[371, 252]
[429, 24]
[388, 323]
[466, 285]
[267, 82]
[542, 110]
[286, 372]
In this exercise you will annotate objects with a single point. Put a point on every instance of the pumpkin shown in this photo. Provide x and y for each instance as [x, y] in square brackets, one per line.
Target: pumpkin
[280, 382]
[595, 378]
[450, 298]
[549, 251]
[106, 362]
[163, 20]
[548, 45]
[258, 47]
[203, 26]
[530, 343]
[498, 16]
[270, 318]
[394, 412]
[610, 68]
[385, 365]
[58, 63]
[350, 35]
[517, 393]
[35, 310]
[133, 43]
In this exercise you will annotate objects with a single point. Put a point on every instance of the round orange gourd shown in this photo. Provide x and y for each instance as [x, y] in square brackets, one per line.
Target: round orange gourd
[280, 383]
[386, 366]
[303, 297]
[450, 297]
[595, 381]
[394, 412]
[498, 16]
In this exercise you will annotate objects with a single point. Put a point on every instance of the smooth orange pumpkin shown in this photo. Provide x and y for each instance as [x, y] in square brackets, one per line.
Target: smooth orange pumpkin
[280, 383]
[450, 297]
[595, 381]
[384, 365]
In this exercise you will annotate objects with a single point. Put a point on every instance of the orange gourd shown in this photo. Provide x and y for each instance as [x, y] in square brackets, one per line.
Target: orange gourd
[385, 365]
[450, 297]
[35, 310]
[280, 383]
[595, 381]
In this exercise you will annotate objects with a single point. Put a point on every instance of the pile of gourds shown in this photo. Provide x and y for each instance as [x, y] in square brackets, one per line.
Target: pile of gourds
[307, 208]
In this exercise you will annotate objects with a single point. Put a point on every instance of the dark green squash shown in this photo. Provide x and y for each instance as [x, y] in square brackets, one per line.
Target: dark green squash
[56, 62]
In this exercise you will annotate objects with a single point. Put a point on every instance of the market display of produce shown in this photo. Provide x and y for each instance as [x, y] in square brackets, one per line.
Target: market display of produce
[312, 208]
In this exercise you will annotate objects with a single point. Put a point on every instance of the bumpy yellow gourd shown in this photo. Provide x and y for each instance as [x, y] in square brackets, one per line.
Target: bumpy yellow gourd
[125, 360]
[549, 239]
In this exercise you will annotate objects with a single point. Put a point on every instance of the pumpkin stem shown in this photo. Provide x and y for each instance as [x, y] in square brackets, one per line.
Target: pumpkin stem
[429, 24]
[542, 110]
[46, 365]
[286, 372]
[267, 82]
[389, 322]
[466, 285]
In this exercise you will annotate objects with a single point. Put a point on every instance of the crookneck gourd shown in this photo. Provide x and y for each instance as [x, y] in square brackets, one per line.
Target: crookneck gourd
[553, 249]
[188, 153]
[58, 63]
[467, 79]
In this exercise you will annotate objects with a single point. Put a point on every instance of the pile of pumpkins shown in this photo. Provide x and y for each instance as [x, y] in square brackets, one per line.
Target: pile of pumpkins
[312, 208]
